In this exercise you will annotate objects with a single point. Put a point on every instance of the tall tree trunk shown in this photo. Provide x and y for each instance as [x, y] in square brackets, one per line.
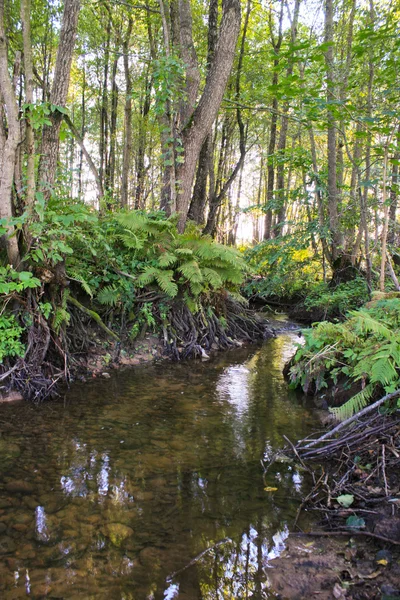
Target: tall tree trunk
[205, 162]
[276, 44]
[127, 151]
[28, 70]
[203, 117]
[58, 96]
[103, 145]
[8, 155]
[280, 179]
[110, 170]
[334, 226]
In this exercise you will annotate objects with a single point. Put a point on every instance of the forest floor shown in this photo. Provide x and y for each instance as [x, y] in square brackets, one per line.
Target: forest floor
[353, 550]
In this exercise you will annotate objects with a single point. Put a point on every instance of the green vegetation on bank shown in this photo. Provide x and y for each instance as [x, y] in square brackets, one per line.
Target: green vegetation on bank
[363, 351]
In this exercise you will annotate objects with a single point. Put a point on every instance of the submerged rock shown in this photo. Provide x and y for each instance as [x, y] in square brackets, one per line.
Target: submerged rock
[117, 532]
[7, 545]
[19, 486]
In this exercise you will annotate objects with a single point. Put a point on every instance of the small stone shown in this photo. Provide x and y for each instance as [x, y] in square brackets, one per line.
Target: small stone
[7, 546]
[106, 375]
[18, 486]
[11, 396]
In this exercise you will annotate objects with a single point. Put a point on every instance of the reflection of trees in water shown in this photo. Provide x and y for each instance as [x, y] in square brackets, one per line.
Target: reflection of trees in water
[181, 469]
[235, 569]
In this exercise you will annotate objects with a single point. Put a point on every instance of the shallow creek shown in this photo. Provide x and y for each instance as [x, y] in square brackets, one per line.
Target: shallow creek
[148, 485]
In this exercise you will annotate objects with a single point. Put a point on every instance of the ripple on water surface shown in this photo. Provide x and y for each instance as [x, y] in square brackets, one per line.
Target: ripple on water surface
[149, 485]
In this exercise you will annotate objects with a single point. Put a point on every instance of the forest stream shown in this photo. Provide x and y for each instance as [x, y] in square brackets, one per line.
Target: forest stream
[148, 485]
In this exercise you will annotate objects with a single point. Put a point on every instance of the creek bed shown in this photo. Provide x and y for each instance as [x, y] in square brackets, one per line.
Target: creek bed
[148, 485]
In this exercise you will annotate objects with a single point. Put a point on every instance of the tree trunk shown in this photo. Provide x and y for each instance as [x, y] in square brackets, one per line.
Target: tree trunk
[10, 147]
[127, 151]
[276, 44]
[332, 167]
[28, 70]
[280, 179]
[104, 108]
[205, 162]
[58, 96]
[203, 117]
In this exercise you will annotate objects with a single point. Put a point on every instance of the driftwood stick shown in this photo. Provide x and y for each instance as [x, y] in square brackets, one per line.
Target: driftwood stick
[197, 558]
[347, 422]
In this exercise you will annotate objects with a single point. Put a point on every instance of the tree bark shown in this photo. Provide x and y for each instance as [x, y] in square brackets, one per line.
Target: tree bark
[8, 155]
[203, 117]
[127, 151]
[58, 96]
[332, 166]
[276, 44]
[205, 162]
[280, 178]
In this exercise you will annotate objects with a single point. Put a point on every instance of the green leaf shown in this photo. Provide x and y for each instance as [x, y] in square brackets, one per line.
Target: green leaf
[345, 500]
[355, 522]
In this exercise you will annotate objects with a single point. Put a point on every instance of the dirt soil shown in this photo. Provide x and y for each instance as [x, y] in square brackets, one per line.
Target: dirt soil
[329, 568]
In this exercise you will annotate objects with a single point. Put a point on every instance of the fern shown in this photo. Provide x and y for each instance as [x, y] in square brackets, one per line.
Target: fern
[166, 283]
[167, 259]
[354, 405]
[76, 276]
[191, 271]
[109, 295]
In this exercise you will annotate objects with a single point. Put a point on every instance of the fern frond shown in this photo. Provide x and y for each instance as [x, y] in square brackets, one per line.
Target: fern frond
[191, 271]
[109, 295]
[61, 315]
[366, 323]
[354, 405]
[132, 241]
[76, 276]
[166, 283]
[167, 259]
[147, 277]
[212, 277]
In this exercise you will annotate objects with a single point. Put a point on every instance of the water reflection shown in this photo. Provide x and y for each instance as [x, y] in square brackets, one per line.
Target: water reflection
[149, 485]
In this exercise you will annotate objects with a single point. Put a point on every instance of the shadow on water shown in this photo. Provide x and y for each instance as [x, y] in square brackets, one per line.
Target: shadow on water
[149, 485]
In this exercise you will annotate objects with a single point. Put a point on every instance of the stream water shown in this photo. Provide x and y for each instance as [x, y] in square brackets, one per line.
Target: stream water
[148, 485]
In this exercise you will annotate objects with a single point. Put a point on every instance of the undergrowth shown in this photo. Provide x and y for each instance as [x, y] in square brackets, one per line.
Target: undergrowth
[364, 349]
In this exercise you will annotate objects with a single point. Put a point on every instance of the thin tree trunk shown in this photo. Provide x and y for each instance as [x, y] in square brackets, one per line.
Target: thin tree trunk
[199, 198]
[127, 151]
[280, 179]
[332, 166]
[104, 108]
[276, 44]
[10, 146]
[83, 132]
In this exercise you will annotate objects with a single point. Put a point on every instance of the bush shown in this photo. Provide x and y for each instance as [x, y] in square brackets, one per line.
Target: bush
[336, 302]
[10, 338]
[282, 270]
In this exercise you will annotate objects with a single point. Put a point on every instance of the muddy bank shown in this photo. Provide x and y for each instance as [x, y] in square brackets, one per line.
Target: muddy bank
[317, 567]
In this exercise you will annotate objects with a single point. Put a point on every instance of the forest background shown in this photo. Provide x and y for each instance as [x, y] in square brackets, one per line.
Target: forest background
[132, 135]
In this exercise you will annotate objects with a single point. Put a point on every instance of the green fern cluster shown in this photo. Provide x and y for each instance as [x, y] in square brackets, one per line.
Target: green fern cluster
[188, 264]
[365, 348]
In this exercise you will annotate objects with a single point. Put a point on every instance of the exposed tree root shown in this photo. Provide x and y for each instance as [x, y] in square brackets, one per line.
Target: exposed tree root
[213, 327]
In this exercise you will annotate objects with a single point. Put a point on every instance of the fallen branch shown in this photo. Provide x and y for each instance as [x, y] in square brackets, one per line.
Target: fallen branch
[355, 417]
